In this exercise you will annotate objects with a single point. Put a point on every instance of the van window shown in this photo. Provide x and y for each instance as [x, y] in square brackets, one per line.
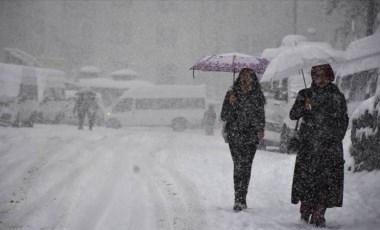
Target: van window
[346, 82]
[170, 103]
[54, 94]
[28, 92]
[123, 105]
[361, 85]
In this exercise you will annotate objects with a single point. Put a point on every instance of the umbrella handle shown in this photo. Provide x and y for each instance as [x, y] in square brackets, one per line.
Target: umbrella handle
[303, 76]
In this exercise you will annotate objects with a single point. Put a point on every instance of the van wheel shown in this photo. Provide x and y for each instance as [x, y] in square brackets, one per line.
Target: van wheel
[113, 123]
[179, 124]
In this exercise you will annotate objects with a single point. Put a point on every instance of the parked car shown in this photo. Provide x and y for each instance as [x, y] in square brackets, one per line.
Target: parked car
[6, 116]
[22, 89]
[358, 77]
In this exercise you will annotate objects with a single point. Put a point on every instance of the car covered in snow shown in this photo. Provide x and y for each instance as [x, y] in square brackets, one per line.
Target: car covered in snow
[358, 77]
[22, 89]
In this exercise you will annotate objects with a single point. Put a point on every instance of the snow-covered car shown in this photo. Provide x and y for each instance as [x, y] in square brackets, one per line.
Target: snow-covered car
[52, 112]
[5, 116]
[176, 106]
[20, 113]
[365, 134]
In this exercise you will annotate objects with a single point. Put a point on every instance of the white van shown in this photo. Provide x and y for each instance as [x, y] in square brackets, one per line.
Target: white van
[358, 77]
[23, 88]
[177, 106]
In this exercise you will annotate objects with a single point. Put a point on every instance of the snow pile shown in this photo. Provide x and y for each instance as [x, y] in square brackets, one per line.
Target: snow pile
[364, 47]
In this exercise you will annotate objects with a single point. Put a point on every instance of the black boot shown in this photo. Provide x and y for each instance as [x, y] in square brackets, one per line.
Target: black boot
[305, 210]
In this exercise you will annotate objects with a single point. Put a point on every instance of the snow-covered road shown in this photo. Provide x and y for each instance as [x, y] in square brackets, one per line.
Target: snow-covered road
[56, 177]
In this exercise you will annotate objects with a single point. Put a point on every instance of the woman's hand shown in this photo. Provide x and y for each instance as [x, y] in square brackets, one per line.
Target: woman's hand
[232, 98]
[308, 103]
[261, 134]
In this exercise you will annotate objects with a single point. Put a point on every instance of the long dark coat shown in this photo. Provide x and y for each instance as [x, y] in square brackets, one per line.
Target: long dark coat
[245, 117]
[319, 169]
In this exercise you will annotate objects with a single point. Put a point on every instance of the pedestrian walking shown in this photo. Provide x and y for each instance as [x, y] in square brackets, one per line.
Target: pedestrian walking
[208, 121]
[243, 112]
[86, 105]
[319, 168]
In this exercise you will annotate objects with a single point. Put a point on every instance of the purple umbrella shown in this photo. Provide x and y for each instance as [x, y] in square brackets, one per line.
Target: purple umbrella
[231, 62]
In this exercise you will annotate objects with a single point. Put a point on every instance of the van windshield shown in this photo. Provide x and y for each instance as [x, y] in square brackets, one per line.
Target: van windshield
[170, 103]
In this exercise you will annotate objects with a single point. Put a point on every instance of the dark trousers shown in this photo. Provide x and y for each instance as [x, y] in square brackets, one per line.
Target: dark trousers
[90, 116]
[242, 157]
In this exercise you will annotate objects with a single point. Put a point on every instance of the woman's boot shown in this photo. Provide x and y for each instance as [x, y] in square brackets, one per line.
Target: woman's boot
[318, 216]
[305, 210]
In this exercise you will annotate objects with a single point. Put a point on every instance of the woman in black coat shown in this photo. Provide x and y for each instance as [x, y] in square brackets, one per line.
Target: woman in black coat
[319, 172]
[243, 110]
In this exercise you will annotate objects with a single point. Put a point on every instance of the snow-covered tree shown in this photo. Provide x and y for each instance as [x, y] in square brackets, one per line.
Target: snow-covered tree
[359, 16]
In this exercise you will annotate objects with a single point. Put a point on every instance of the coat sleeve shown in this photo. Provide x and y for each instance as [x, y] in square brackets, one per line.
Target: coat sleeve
[228, 112]
[261, 116]
[298, 109]
[339, 119]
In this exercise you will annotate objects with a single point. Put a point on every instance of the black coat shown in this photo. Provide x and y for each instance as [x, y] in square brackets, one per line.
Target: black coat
[245, 117]
[319, 172]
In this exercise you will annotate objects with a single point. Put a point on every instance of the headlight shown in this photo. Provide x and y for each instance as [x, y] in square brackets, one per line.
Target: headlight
[108, 114]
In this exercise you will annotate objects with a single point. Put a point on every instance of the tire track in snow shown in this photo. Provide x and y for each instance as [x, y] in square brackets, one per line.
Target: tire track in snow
[181, 201]
[55, 197]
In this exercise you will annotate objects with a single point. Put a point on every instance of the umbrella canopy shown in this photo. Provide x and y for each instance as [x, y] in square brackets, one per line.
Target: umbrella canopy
[291, 61]
[231, 62]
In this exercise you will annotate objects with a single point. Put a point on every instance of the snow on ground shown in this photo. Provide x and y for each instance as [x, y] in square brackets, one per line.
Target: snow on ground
[56, 177]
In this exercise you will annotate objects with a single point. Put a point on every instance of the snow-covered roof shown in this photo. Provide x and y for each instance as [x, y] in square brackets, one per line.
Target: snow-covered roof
[11, 77]
[27, 59]
[270, 53]
[362, 54]
[303, 56]
[109, 83]
[89, 69]
[359, 64]
[167, 91]
[124, 72]
[292, 40]
[364, 47]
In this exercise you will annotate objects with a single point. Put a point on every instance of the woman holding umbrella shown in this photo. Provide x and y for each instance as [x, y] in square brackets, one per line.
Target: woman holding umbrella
[243, 110]
[319, 172]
